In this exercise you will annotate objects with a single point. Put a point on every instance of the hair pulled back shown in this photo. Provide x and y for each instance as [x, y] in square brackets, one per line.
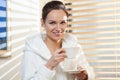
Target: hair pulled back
[53, 5]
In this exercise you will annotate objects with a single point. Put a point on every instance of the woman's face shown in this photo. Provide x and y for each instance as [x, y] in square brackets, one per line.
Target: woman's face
[55, 24]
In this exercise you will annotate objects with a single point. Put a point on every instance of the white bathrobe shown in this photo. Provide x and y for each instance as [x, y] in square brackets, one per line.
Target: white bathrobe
[36, 54]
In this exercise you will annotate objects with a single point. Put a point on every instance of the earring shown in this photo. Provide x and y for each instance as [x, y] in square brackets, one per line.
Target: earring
[67, 30]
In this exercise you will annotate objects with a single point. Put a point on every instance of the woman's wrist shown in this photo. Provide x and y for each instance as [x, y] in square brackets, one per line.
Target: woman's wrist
[49, 66]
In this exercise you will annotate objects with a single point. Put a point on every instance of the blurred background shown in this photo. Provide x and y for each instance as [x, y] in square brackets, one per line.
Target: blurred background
[96, 24]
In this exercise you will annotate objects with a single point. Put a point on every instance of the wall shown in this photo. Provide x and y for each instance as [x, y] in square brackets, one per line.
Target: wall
[23, 18]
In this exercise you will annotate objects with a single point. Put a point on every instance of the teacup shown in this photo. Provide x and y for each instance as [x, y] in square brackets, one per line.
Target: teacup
[71, 62]
[70, 65]
[72, 52]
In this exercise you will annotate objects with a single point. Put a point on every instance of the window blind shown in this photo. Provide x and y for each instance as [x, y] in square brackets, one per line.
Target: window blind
[96, 24]
[3, 24]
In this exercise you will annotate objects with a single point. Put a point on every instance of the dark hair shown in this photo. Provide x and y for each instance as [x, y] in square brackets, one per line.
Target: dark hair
[53, 5]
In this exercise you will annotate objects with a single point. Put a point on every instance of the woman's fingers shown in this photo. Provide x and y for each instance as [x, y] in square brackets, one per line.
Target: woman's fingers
[79, 68]
[60, 54]
[60, 57]
[61, 50]
[82, 75]
[56, 58]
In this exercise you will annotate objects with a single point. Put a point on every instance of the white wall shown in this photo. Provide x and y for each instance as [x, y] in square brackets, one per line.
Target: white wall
[23, 18]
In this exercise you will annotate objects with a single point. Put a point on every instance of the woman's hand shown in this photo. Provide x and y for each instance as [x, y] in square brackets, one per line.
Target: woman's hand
[82, 75]
[56, 58]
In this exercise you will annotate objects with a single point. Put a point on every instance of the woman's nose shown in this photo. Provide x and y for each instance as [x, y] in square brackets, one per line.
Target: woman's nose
[58, 27]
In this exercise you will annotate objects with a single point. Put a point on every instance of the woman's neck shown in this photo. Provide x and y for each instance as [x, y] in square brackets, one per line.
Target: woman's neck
[53, 45]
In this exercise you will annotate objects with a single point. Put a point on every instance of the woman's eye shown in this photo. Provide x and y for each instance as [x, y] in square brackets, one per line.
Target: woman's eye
[52, 22]
[63, 22]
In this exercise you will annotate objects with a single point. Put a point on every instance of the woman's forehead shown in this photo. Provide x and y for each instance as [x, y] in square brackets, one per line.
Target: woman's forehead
[56, 15]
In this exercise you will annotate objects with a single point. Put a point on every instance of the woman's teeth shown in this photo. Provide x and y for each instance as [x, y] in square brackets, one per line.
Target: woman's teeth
[57, 33]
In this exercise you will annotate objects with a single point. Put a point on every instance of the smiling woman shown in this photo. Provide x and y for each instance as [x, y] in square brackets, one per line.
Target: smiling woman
[44, 53]
[3, 37]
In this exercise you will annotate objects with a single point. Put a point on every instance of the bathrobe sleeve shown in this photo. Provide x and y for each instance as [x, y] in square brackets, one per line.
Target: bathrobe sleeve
[32, 68]
[84, 63]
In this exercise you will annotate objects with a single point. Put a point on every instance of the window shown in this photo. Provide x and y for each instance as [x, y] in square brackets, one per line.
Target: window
[96, 23]
[3, 20]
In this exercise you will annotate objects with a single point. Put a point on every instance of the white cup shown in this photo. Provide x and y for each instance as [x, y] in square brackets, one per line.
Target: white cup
[71, 62]
[70, 65]
[72, 52]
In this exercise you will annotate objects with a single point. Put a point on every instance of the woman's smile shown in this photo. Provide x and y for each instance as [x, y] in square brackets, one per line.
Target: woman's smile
[57, 33]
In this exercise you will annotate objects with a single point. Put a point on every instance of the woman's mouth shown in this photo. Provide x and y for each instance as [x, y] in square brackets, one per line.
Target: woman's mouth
[57, 34]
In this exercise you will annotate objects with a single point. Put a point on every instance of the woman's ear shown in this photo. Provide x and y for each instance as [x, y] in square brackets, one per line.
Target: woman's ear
[42, 26]
[42, 22]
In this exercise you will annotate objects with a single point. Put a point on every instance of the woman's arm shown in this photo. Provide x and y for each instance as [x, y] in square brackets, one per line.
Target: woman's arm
[33, 66]
[33, 69]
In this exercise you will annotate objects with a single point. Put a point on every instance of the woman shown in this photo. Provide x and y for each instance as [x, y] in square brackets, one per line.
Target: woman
[43, 53]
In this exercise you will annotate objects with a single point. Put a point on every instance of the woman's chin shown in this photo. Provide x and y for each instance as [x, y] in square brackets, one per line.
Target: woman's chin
[57, 39]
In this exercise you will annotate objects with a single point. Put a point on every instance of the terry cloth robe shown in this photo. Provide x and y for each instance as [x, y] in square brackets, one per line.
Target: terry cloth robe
[36, 54]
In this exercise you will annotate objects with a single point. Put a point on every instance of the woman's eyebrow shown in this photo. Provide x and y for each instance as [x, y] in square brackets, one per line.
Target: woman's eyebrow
[50, 20]
[56, 21]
